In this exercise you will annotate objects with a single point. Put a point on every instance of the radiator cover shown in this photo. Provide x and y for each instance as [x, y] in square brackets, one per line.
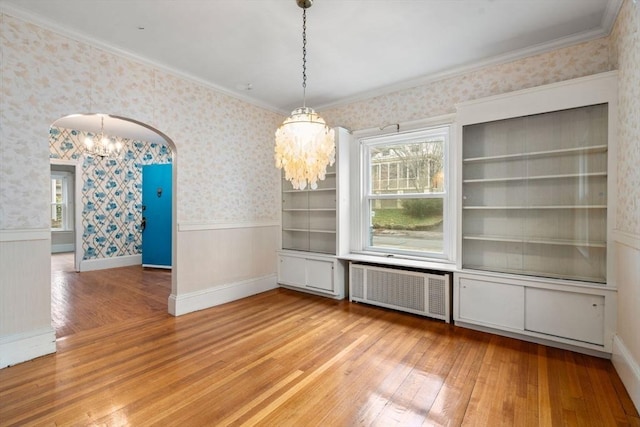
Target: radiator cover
[415, 292]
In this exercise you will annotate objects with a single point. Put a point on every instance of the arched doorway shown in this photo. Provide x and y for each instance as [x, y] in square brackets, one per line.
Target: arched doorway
[144, 144]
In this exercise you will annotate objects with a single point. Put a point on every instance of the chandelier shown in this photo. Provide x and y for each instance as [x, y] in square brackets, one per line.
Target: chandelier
[103, 146]
[304, 144]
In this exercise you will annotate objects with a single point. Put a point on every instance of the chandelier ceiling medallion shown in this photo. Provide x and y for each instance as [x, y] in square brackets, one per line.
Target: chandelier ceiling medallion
[304, 143]
[102, 146]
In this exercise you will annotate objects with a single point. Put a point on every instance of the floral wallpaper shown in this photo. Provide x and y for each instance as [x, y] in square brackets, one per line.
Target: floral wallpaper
[441, 96]
[625, 52]
[223, 147]
[111, 194]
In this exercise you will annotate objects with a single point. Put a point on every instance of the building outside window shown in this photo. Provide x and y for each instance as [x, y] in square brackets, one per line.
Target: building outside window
[405, 197]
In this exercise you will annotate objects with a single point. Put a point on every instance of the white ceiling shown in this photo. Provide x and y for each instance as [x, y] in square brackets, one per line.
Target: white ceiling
[355, 48]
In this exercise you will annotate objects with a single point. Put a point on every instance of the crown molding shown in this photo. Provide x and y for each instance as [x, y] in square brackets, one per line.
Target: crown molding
[606, 26]
[468, 68]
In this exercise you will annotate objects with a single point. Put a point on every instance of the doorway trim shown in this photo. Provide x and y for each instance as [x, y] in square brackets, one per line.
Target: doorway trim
[77, 207]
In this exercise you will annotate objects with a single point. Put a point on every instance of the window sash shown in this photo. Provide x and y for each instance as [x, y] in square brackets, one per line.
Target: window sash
[373, 173]
[63, 203]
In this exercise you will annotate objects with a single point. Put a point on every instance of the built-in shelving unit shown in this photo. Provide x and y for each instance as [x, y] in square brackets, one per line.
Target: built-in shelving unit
[546, 205]
[535, 182]
[311, 224]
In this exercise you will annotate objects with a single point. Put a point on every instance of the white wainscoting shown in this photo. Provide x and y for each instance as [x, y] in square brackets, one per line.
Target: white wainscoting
[626, 344]
[25, 295]
[222, 262]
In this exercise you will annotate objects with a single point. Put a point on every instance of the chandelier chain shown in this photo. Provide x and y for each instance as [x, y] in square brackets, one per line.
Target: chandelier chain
[304, 57]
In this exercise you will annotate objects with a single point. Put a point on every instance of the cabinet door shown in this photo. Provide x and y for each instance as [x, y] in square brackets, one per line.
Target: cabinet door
[491, 303]
[291, 271]
[320, 274]
[566, 314]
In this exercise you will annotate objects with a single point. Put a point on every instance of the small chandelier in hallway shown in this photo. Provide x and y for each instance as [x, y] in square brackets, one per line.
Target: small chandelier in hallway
[103, 146]
[305, 146]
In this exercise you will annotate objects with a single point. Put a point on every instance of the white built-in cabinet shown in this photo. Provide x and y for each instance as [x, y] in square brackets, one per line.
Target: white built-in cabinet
[315, 229]
[536, 176]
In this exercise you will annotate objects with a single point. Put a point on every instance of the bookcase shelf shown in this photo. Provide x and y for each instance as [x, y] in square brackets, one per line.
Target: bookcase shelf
[559, 166]
[537, 169]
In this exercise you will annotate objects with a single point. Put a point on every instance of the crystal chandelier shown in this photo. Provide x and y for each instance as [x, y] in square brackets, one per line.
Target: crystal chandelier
[304, 144]
[103, 146]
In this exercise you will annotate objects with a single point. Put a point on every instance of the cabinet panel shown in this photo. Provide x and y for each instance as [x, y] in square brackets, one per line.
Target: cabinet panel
[320, 274]
[491, 303]
[565, 314]
[292, 270]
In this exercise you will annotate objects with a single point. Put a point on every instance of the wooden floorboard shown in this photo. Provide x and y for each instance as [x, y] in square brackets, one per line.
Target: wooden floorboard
[284, 358]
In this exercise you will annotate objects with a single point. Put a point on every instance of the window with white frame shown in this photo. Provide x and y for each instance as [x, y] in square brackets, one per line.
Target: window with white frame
[405, 193]
[61, 201]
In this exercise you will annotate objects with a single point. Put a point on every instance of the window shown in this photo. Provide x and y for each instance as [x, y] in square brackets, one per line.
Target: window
[61, 201]
[404, 193]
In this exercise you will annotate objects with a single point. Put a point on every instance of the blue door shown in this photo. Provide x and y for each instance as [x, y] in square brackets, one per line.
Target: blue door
[156, 216]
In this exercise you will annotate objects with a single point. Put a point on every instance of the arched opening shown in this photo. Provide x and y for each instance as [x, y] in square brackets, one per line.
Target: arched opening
[107, 210]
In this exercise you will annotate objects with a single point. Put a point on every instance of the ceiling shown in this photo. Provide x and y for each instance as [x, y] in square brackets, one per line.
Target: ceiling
[252, 49]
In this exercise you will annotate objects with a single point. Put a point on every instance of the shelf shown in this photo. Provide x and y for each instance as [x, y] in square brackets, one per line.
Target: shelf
[307, 230]
[309, 191]
[546, 153]
[557, 242]
[310, 210]
[536, 207]
[531, 178]
[596, 281]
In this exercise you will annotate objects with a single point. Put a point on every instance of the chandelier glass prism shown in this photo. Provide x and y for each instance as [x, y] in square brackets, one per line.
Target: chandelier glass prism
[102, 146]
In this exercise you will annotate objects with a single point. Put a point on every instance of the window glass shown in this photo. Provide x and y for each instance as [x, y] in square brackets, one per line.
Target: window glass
[60, 201]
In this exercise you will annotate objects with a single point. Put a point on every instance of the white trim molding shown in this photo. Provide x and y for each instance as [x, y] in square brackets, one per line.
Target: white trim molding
[200, 226]
[217, 295]
[628, 370]
[115, 262]
[25, 234]
[627, 239]
[25, 346]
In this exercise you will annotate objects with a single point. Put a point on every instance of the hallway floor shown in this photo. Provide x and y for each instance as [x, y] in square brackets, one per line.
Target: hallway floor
[83, 301]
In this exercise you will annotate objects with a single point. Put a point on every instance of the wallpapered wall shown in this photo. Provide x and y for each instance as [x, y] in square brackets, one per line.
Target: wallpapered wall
[596, 56]
[224, 146]
[112, 192]
[625, 56]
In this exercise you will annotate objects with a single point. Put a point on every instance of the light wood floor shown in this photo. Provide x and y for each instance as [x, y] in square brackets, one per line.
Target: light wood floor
[288, 359]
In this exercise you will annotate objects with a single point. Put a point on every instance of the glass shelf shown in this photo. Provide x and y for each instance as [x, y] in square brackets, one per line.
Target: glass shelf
[534, 195]
[547, 153]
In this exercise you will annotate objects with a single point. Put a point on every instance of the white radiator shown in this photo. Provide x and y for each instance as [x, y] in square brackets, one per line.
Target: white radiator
[414, 292]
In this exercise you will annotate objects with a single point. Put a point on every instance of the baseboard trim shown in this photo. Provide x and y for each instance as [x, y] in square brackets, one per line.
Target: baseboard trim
[217, 295]
[115, 262]
[628, 370]
[19, 348]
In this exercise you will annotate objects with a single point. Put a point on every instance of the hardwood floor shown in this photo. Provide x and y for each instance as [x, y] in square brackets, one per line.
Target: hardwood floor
[91, 299]
[284, 358]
